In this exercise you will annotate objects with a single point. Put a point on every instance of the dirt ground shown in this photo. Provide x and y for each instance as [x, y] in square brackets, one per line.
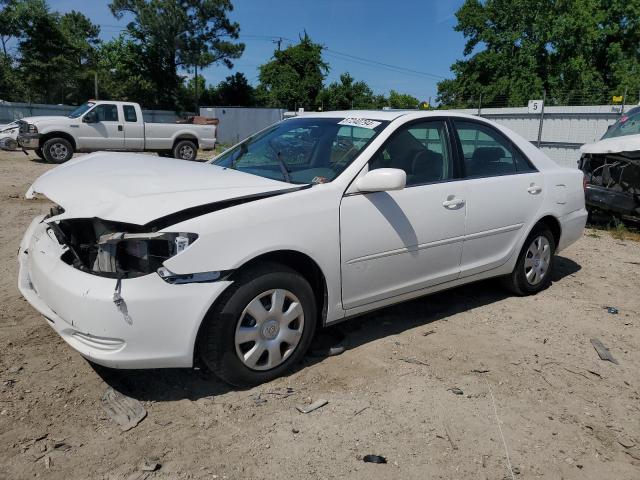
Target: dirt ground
[532, 385]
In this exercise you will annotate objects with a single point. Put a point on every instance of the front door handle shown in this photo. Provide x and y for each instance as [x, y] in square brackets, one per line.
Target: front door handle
[534, 189]
[119, 128]
[453, 203]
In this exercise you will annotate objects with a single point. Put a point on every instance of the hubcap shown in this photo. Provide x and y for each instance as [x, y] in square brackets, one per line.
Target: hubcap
[58, 151]
[186, 152]
[269, 329]
[537, 260]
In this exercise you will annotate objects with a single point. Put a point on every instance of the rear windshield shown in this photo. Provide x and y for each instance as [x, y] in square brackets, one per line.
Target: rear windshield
[303, 150]
[627, 124]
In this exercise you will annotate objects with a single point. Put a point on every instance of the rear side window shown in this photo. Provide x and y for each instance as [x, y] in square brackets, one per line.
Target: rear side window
[107, 113]
[421, 150]
[488, 153]
[130, 113]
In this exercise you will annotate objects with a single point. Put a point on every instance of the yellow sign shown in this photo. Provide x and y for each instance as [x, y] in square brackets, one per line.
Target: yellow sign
[617, 99]
[424, 106]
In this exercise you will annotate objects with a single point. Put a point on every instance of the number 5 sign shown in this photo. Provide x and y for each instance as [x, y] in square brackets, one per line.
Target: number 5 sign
[535, 106]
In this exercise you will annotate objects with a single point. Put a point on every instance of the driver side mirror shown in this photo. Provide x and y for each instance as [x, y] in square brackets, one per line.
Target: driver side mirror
[90, 117]
[382, 180]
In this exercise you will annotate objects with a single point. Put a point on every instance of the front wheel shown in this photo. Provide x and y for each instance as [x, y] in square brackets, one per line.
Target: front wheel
[185, 150]
[57, 150]
[260, 327]
[533, 270]
[38, 152]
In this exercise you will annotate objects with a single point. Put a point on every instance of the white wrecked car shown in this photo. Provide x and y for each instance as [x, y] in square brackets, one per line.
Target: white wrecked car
[612, 168]
[147, 261]
[9, 136]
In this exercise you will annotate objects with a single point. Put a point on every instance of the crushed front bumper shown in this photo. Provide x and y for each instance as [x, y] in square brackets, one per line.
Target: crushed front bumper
[29, 140]
[163, 319]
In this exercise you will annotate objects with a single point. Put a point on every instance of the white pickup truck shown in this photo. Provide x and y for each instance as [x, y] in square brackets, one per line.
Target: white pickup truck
[107, 125]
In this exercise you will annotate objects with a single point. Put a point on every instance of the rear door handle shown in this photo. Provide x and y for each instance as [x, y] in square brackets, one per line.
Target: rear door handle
[119, 128]
[453, 203]
[534, 189]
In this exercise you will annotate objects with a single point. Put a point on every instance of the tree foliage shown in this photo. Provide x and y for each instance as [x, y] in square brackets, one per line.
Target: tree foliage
[169, 34]
[579, 51]
[293, 78]
[348, 94]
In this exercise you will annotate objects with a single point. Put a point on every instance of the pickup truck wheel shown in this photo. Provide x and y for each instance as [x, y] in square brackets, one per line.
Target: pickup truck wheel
[185, 150]
[57, 150]
[38, 152]
[261, 326]
[534, 268]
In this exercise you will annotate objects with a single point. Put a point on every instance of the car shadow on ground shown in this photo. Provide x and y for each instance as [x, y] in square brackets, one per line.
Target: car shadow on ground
[176, 384]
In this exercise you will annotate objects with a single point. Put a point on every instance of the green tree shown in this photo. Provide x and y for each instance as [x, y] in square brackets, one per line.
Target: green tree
[293, 78]
[347, 94]
[173, 34]
[402, 100]
[579, 51]
[234, 90]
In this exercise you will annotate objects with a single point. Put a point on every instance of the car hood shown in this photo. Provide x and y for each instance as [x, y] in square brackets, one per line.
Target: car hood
[627, 143]
[138, 189]
[42, 120]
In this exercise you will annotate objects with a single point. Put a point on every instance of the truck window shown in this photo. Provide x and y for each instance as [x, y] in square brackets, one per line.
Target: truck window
[130, 113]
[107, 113]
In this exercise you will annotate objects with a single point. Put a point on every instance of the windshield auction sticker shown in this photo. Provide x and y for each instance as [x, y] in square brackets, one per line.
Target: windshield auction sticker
[360, 122]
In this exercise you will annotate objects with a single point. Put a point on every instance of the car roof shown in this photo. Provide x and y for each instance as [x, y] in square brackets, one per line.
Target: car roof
[384, 115]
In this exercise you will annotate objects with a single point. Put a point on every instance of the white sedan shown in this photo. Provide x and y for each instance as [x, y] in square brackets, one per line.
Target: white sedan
[147, 262]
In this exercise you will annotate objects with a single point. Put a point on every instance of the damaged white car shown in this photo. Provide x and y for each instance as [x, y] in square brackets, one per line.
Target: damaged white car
[612, 168]
[149, 262]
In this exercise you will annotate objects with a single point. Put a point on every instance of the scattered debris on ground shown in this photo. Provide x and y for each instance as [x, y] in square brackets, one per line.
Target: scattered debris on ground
[314, 406]
[603, 352]
[374, 459]
[125, 411]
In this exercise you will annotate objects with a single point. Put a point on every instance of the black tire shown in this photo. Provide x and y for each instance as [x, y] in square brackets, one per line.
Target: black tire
[57, 150]
[517, 282]
[38, 152]
[217, 337]
[185, 150]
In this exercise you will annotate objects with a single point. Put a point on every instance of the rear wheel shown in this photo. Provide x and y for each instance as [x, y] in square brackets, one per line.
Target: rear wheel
[57, 150]
[185, 150]
[533, 270]
[261, 326]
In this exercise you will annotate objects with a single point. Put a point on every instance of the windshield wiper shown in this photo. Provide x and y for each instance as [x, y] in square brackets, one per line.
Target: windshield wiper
[283, 166]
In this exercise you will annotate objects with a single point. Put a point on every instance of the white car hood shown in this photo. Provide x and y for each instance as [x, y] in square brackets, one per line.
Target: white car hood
[136, 188]
[627, 143]
[41, 120]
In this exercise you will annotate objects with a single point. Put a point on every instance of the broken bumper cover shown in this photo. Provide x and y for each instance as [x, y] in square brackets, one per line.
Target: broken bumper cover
[162, 320]
[29, 140]
[608, 199]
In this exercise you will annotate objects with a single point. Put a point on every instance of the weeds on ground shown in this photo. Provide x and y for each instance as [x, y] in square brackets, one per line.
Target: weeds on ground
[617, 229]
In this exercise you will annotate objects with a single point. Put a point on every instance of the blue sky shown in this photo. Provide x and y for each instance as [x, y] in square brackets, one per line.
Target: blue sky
[413, 34]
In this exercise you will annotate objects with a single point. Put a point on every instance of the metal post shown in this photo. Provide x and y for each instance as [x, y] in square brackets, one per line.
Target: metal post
[95, 83]
[624, 99]
[196, 87]
[480, 105]
[544, 100]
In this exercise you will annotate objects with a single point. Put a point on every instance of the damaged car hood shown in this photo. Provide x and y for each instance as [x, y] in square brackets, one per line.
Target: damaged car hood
[137, 189]
[626, 143]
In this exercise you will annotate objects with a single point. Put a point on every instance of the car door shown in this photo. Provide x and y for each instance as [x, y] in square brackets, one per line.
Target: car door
[106, 132]
[133, 128]
[503, 192]
[400, 241]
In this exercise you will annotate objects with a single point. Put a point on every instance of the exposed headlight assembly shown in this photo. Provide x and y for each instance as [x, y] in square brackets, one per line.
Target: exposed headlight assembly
[32, 128]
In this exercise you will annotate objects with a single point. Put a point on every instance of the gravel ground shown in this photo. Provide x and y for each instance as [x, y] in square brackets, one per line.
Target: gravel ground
[443, 386]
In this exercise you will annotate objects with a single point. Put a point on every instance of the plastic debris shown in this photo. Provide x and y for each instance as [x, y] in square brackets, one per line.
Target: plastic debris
[125, 411]
[456, 390]
[314, 406]
[603, 352]
[612, 310]
[374, 459]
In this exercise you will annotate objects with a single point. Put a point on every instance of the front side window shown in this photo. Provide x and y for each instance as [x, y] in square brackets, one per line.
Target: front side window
[130, 113]
[487, 153]
[628, 124]
[302, 150]
[106, 113]
[81, 109]
[421, 150]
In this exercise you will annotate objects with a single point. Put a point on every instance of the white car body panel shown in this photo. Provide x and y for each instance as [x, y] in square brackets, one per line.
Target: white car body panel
[624, 143]
[373, 249]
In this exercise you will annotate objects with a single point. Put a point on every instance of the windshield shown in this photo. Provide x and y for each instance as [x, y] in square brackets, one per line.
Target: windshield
[303, 150]
[627, 124]
[81, 109]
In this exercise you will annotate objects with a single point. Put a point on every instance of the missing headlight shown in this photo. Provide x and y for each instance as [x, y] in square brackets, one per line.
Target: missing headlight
[117, 250]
